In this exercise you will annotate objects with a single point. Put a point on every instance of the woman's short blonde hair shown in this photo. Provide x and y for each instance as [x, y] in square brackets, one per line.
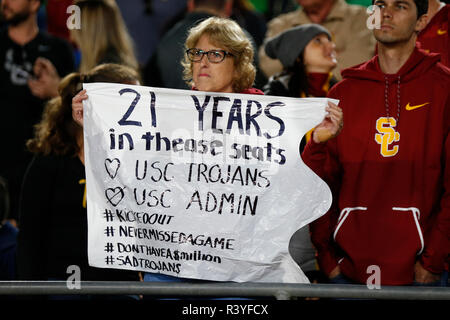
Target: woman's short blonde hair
[228, 35]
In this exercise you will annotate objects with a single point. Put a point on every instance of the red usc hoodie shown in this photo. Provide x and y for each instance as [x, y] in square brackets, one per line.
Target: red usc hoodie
[389, 170]
[435, 37]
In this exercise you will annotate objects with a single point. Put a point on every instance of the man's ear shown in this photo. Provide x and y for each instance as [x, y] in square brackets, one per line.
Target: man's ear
[421, 23]
[35, 5]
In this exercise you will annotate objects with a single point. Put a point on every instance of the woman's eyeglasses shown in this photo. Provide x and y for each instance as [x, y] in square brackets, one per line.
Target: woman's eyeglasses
[214, 56]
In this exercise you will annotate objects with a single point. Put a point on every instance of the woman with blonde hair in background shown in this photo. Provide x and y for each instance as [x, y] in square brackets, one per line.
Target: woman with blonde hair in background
[103, 36]
[308, 56]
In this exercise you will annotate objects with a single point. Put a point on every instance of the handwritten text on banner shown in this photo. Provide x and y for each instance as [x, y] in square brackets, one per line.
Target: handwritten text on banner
[198, 185]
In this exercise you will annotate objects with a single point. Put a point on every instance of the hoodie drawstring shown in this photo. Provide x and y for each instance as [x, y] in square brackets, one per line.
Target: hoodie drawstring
[386, 100]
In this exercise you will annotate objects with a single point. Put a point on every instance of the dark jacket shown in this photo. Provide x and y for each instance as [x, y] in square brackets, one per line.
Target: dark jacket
[53, 223]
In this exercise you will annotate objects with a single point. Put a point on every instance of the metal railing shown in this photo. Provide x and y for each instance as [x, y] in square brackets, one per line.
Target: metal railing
[278, 290]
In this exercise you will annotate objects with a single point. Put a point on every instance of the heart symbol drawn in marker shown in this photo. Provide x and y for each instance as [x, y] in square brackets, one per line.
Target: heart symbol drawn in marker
[112, 167]
[115, 195]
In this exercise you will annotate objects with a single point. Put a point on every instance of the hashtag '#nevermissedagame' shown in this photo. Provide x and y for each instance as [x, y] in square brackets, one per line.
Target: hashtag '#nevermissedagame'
[109, 231]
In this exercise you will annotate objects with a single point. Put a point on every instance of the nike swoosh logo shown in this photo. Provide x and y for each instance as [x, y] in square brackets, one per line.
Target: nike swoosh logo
[409, 108]
[441, 32]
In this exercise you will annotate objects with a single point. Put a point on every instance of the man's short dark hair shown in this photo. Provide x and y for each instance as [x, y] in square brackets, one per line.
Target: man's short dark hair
[421, 5]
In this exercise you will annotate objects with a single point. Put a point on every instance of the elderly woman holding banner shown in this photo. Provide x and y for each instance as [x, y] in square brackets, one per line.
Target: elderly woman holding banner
[219, 58]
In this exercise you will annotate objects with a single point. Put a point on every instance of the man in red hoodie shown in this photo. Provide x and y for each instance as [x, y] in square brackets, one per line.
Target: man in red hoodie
[435, 36]
[389, 169]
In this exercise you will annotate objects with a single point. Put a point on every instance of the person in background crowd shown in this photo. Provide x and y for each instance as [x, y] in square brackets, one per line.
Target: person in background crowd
[219, 58]
[308, 56]
[273, 8]
[147, 21]
[346, 23]
[364, 3]
[103, 37]
[249, 19]
[57, 16]
[389, 169]
[164, 68]
[24, 50]
[53, 215]
[435, 36]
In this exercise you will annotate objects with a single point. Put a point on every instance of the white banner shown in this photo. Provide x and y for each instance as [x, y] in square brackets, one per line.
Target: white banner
[198, 184]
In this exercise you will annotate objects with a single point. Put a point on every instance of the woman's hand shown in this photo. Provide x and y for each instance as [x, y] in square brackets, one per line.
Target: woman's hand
[77, 107]
[331, 125]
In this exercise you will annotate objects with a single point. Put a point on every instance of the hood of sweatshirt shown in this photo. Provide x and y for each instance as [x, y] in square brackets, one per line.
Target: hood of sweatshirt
[418, 63]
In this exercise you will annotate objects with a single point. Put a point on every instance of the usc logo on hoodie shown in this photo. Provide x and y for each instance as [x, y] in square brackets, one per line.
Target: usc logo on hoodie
[386, 136]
